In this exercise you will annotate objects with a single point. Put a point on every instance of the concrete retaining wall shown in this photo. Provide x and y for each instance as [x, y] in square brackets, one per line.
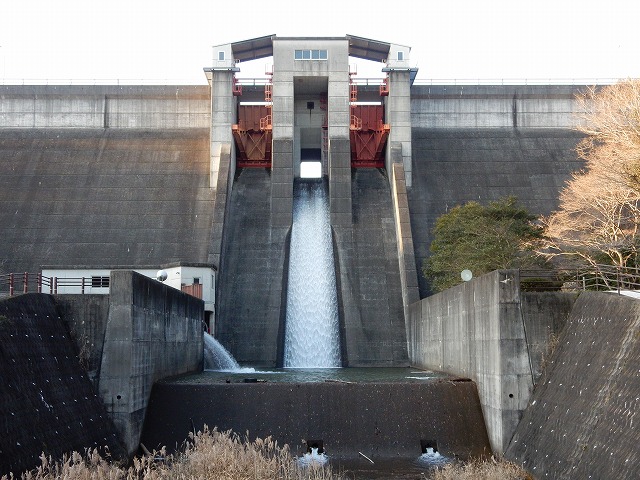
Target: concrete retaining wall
[105, 107]
[475, 330]
[582, 418]
[544, 315]
[381, 420]
[153, 332]
[47, 403]
[86, 319]
[489, 331]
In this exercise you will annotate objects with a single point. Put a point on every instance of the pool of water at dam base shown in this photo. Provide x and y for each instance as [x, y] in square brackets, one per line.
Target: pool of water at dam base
[310, 375]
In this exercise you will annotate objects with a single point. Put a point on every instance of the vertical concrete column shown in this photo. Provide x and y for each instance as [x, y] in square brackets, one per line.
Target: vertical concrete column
[398, 115]
[282, 150]
[406, 254]
[223, 115]
[339, 151]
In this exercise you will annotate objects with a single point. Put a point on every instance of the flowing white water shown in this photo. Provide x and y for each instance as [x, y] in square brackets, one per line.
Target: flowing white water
[216, 357]
[312, 332]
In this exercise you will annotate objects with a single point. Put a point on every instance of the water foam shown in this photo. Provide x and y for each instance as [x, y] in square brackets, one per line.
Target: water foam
[313, 458]
[217, 358]
[312, 334]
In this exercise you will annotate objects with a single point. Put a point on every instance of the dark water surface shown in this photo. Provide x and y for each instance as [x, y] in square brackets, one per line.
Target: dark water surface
[294, 375]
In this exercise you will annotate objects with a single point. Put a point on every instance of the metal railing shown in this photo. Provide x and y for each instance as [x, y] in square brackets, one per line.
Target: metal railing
[12, 284]
[609, 278]
[515, 81]
[103, 81]
[262, 81]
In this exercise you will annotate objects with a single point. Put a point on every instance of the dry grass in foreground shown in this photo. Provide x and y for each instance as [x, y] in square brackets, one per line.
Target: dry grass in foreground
[482, 470]
[207, 455]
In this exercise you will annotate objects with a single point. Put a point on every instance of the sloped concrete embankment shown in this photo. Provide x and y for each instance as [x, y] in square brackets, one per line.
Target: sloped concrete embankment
[52, 348]
[479, 330]
[47, 401]
[582, 419]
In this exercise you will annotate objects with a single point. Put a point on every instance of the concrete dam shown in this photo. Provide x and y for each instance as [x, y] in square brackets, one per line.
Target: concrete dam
[199, 181]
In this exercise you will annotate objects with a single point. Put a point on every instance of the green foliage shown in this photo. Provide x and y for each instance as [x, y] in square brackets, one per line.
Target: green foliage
[481, 239]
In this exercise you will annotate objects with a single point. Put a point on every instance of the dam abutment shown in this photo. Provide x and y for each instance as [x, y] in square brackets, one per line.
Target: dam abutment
[477, 330]
[581, 419]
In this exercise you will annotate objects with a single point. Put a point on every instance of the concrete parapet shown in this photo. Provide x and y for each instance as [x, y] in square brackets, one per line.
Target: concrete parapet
[491, 106]
[153, 332]
[104, 107]
[476, 330]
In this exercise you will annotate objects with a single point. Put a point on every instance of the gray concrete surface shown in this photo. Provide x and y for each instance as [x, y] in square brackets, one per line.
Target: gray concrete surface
[455, 166]
[382, 420]
[494, 106]
[104, 197]
[370, 291]
[251, 273]
[476, 330]
[86, 319]
[544, 315]
[47, 401]
[56, 106]
[404, 236]
[153, 332]
[581, 421]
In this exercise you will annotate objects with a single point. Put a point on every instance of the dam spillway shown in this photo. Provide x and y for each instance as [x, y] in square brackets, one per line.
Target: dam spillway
[312, 333]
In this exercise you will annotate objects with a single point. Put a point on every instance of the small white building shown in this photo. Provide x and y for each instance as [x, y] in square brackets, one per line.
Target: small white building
[195, 279]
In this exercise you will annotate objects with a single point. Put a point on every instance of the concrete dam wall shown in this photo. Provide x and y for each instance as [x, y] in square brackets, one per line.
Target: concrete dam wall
[581, 419]
[481, 143]
[103, 197]
[252, 286]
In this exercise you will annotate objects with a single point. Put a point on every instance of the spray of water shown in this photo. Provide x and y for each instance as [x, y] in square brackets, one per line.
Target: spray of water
[216, 357]
[312, 334]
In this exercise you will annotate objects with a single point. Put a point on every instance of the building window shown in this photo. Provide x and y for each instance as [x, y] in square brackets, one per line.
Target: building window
[220, 56]
[196, 280]
[310, 55]
[100, 282]
[400, 56]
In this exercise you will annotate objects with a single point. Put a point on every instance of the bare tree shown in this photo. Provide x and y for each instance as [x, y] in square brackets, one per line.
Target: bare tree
[599, 209]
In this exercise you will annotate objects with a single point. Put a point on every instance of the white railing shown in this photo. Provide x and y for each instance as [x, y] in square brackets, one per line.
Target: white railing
[515, 81]
[101, 81]
[263, 81]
